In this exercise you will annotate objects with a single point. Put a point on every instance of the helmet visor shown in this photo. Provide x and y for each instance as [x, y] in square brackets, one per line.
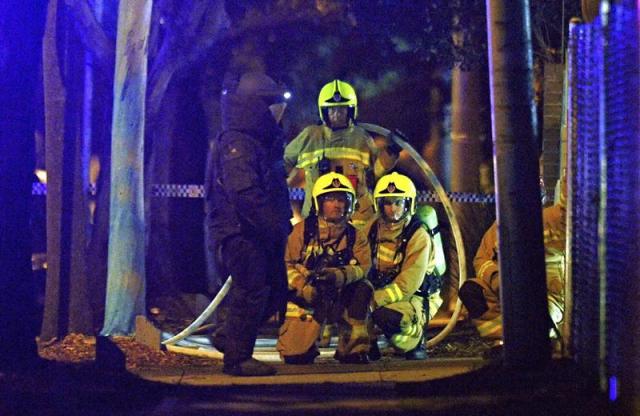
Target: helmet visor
[394, 208]
[335, 205]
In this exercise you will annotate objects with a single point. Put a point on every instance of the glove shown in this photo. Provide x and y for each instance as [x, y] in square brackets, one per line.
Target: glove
[393, 148]
[379, 298]
[309, 293]
[332, 276]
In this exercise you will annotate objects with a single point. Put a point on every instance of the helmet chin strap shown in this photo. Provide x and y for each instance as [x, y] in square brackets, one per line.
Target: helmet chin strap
[392, 221]
[337, 220]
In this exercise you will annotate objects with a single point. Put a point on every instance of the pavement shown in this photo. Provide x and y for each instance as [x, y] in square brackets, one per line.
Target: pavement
[323, 371]
[390, 386]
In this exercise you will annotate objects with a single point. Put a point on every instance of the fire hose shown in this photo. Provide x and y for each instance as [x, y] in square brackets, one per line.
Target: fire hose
[444, 199]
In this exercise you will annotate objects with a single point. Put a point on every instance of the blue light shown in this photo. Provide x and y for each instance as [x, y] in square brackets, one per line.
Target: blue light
[287, 95]
[613, 388]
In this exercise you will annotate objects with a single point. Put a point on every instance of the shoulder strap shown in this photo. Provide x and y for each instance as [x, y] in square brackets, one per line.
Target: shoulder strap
[351, 237]
[373, 236]
[310, 227]
[407, 233]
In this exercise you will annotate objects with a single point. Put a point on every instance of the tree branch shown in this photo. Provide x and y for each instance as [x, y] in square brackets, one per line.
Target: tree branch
[93, 37]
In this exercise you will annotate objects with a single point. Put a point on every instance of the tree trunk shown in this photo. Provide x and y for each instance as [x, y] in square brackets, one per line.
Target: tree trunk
[66, 300]
[468, 90]
[161, 277]
[466, 129]
[519, 213]
[102, 104]
[126, 262]
[21, 24]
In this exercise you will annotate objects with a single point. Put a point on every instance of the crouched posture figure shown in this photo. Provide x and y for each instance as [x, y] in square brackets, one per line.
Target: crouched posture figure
[403, 256]
[327, 260]
[481, 295]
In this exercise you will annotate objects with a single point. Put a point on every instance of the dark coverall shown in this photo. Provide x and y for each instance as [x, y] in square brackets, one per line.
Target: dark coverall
[248, 219]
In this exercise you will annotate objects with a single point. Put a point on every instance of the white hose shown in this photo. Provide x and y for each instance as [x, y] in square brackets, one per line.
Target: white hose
[455, 228]
[203, 316]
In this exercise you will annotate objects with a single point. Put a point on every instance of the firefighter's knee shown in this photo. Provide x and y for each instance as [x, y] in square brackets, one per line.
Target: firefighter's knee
[387, 320]
[360, 298]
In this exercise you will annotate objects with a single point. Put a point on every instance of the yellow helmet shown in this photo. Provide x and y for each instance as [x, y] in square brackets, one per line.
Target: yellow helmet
[335, 94]
[395, 185]
[330, 183]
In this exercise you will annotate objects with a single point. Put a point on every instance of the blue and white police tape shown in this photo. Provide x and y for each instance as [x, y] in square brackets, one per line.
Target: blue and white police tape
[173, 190]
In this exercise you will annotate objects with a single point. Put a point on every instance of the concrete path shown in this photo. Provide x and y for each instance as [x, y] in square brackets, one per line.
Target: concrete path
[324, 371]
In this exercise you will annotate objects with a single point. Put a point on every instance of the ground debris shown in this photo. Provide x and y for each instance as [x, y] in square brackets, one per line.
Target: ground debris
[78, 349]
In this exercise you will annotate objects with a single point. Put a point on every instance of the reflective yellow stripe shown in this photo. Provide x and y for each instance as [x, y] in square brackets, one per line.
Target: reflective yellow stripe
[484, 267]
[398, 339]
[295, 311]
[412, 330]
[394, 292]
[292, 274]
[309, 158]
[386, 254]
[490, 328]
[359, 223]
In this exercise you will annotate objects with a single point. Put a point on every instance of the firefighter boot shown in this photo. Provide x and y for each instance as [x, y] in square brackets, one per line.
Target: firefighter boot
[472, 297]
[418, 353]
[248, 368]
[374, 351]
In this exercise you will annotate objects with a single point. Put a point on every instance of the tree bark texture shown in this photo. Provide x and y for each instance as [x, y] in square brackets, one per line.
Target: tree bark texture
[519, 212]
[468, 89]
[126, 261]
[66, 300]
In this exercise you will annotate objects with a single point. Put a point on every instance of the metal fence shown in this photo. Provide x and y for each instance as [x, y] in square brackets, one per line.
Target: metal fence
[605, 99]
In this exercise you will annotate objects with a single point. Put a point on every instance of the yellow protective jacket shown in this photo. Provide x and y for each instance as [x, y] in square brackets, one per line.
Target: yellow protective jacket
[296, 254]
[485, 264]
[350, 150]
[419, 260]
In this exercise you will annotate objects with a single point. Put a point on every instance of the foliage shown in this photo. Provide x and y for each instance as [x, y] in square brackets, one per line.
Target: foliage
[550, 24]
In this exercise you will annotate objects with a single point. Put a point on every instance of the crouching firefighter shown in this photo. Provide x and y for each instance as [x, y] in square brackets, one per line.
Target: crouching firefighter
[327, 260]
[405, 272]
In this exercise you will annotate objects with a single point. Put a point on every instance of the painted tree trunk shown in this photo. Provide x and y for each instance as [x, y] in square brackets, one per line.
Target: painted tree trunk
[519, 212]
[126, 262]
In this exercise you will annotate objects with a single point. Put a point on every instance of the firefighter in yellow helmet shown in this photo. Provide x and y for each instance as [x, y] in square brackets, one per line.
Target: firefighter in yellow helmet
[327, 260]
[481, 295]
[339, 145]
[403, 258]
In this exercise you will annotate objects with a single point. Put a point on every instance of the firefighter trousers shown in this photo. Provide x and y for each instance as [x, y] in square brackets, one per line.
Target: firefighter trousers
[298, 335]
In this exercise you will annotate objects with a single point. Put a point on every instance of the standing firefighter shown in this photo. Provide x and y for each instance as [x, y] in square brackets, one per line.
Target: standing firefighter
[327, 260]
[339, 145]
[248, 214]
[404, 272]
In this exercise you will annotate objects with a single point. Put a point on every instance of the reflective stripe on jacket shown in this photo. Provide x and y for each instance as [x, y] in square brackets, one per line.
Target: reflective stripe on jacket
[351, 151]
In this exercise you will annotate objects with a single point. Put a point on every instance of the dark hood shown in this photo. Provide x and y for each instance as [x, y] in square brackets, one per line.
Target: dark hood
[249, 114]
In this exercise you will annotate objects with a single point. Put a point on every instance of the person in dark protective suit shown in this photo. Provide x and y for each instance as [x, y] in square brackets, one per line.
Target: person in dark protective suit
[248, 214]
